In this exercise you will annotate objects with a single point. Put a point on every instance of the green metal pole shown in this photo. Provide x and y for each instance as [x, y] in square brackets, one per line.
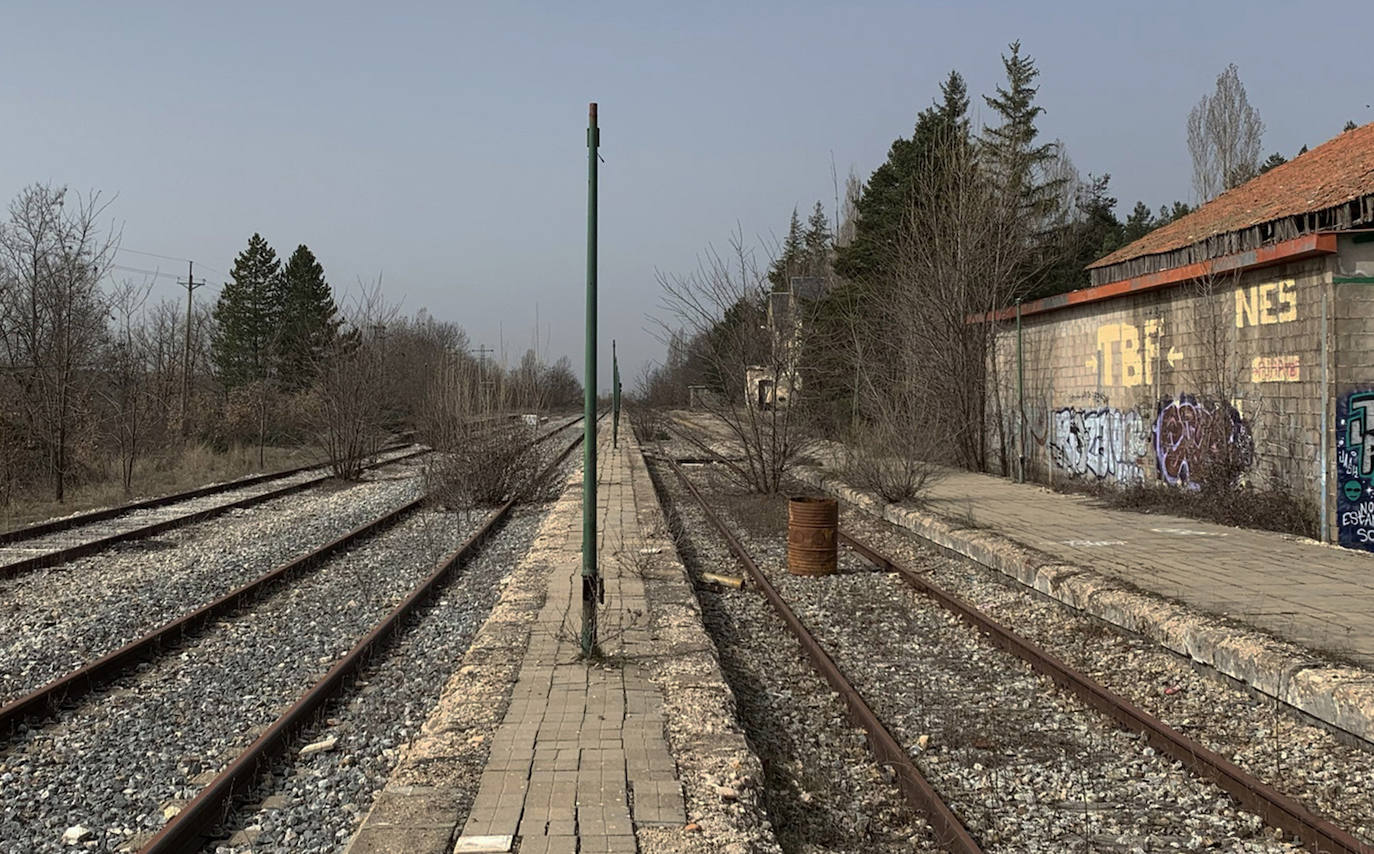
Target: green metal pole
[1020, 400]
[590, 580]
[615, 397]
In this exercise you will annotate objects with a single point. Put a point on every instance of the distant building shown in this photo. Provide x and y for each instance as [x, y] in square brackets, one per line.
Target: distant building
[1235, 342]
[766, 386]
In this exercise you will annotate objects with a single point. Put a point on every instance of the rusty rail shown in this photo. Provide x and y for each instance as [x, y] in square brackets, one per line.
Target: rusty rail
[60, 556]
[1277, 809]
[949, 830]
[85, 679]
[66, 523]
[188, 828]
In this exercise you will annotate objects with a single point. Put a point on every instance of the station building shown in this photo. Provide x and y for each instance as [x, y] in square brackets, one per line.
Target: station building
[1235, 342]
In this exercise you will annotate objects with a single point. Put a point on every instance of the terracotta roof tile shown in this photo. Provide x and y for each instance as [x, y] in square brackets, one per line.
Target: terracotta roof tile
[1334, 172]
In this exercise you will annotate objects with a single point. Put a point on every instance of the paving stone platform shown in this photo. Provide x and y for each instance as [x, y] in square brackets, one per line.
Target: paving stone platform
[578, 760]
[579, 739]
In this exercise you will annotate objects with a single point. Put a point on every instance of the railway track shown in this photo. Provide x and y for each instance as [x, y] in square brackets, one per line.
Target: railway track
[88, 676]
[244, 614]
[54, 543]
[941, 793]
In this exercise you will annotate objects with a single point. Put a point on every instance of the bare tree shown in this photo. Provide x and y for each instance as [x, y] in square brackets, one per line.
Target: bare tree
[347, 409]
[127, 392]
[1224, 137]
[751, 345]
[52, 258]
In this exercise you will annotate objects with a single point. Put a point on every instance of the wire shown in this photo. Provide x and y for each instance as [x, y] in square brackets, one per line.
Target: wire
[205, 267]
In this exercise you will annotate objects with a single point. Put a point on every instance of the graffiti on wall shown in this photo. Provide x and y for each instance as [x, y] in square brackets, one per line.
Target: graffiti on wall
[1127, 354]
[1275, 369]
[1105, 443]
[1272, 302]
[1355, 469]
[1195, 437]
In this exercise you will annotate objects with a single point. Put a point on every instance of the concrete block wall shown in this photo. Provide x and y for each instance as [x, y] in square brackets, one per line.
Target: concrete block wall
[1156, 386]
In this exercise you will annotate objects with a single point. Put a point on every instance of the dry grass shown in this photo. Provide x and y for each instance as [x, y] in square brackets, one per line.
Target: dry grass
[167, 472]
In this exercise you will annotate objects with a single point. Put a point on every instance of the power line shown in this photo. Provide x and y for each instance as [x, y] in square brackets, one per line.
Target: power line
[206, 267]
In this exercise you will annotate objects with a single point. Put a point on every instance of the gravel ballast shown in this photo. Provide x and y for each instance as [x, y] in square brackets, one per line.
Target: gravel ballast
[823, 791]
[1303, 760]
[55, 620]
[1025, 767]
[123, 761]
[319, 798]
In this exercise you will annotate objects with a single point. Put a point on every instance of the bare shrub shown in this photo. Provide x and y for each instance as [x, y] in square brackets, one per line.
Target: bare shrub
[488, 467]
[748, 342]
[880, 459]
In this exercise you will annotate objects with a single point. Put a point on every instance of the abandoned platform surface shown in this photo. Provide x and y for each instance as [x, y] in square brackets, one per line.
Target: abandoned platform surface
[536, 749]
[1318, 596]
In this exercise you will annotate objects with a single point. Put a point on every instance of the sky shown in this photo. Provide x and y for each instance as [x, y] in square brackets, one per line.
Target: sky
[441, 147]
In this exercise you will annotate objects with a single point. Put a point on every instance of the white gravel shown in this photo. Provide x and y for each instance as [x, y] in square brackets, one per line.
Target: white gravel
[57, 619]
[118, 760]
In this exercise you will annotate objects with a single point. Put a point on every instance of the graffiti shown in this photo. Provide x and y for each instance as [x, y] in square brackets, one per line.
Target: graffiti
[1273, 302]
[1193, 436]
[1274, 369]
[1102, 443]
[1127, 354]
[1355, 469]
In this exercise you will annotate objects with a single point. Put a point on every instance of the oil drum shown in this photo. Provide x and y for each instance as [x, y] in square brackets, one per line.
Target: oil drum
[811, 526]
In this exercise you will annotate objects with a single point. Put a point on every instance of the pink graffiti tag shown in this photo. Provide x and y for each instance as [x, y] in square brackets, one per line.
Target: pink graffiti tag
[1190, 435]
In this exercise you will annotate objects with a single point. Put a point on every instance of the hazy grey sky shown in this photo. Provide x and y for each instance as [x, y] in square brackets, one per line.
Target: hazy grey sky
[442, 145]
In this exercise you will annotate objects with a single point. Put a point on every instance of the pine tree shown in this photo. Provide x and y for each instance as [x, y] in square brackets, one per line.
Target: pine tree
[247, 316]
[886, 200]
[1009, 150]
[1275, 159]
[1349, 125]
[817, 242]
[1140, 223]
[790, 262]
[310, 318]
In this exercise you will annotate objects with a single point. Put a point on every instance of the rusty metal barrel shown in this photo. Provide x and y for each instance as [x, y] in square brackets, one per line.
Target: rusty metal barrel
[811, 526]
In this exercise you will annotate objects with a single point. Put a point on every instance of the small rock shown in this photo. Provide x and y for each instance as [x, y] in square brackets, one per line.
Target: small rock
[75, 835]
[320, 746]
[692, 828]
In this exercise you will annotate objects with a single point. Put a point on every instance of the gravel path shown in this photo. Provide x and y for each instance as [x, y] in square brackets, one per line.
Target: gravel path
[55, 620]
[119, 763]
[823, 792]
[1024, 766]
[318, 801]
[1302, 760]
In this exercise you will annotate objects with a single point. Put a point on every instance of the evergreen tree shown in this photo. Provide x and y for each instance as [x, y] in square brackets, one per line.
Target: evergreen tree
[793, 256]
[309, 318]
[816, 242]
[1349, 125]
[1275, 159]
[1140, 223]
[886, 199]
[1009, 150]
[247, 316]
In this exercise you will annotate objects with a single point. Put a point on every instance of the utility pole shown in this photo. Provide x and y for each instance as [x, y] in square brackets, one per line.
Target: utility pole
[591, 581]
[481, 371]
[191, 285]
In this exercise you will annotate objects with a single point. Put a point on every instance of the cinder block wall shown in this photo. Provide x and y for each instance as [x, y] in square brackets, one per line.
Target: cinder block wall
[1153, 387]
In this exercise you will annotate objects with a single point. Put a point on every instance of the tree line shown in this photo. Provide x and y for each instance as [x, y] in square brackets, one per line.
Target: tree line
[98, 381]
[958, 222]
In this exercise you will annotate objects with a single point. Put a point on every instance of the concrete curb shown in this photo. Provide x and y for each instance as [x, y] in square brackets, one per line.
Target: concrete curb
[1339, 695]
[703, 731]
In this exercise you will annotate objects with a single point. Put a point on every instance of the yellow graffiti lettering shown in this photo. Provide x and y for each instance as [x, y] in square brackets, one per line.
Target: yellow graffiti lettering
[1128, 347]
[1268, 303]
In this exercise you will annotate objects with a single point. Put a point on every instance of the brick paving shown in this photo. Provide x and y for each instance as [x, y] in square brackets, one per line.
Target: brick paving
[579, 760]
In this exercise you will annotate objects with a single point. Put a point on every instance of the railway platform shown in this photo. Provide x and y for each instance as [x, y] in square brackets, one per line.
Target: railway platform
[534, 749]
[1285, 615]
